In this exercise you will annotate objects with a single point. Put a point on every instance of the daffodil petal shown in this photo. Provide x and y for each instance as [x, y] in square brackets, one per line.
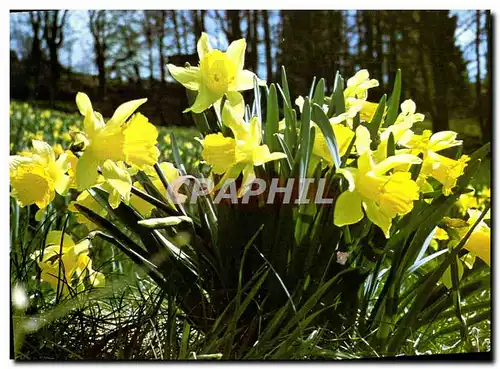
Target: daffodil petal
[188, 77]
[86, 171]
[234, 121]
[62, 184]
[204, 100]
[124, 111]
[244, 81]
[349, 174]
[44, 150]
[236, 52]
[219, 151]
[83, 103]
[394, 161]
[235, 99]
[378, 218]
[248, 178]
[55, 237]
[118, 178]
[363, 140]
[203, 46]
[262, 155]
[348, 209]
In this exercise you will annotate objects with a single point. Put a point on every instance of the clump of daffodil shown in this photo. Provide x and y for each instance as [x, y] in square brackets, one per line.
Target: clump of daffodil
[233, 156]
[36, 176]
[219, 73]
[132, 141]
[381, 195]
[67, 266]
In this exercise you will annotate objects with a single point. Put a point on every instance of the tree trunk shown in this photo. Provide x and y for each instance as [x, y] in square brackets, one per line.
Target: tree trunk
[479, 95]
[233, 16]
[173, 15]
[267, 42]
[489, 108]
[161, 36]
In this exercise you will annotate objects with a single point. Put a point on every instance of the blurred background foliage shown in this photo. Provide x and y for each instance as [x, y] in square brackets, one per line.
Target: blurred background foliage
[115, 56]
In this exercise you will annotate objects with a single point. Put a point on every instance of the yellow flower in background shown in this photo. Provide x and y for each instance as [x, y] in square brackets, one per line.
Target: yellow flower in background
[133, 141]
[63, 265]
[233, 156]
[37, 175]
[58, 149]
[383, 196]
[218, 73]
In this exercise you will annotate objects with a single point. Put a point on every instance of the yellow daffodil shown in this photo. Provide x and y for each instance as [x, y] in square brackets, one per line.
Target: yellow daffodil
[400, 129]
[383, 196]
[132, 141]
[479, 242]
[63, 265]
[356, 93]
[232, 156]
[218, 73]
[445, 170]
[37, 175]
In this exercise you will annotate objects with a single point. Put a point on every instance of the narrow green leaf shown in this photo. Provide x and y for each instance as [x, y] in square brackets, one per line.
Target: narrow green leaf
[392, 112]
[319, 93]
[326, 128]
[376, 121]
[272, 119]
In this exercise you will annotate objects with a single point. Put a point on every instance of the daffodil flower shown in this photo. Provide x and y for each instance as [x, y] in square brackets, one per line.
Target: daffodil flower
[132, 141]
[218, 73]
[233, 156]
[356, 93]
[479, 242]
[383, 196]
[445, 170]
[76, 263]
[400, 129]
[37, 175]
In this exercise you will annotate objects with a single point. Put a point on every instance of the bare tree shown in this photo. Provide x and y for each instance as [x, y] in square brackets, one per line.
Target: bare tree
[267, 42]
[35, 56]
[53, 34]
[98, 25]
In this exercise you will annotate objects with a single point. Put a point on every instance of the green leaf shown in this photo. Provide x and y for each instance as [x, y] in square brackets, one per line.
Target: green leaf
[319, 93]
[337, 103]
[286, 90]
[392, 112]
[272, 119]
[376, 121]
[326, 128]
